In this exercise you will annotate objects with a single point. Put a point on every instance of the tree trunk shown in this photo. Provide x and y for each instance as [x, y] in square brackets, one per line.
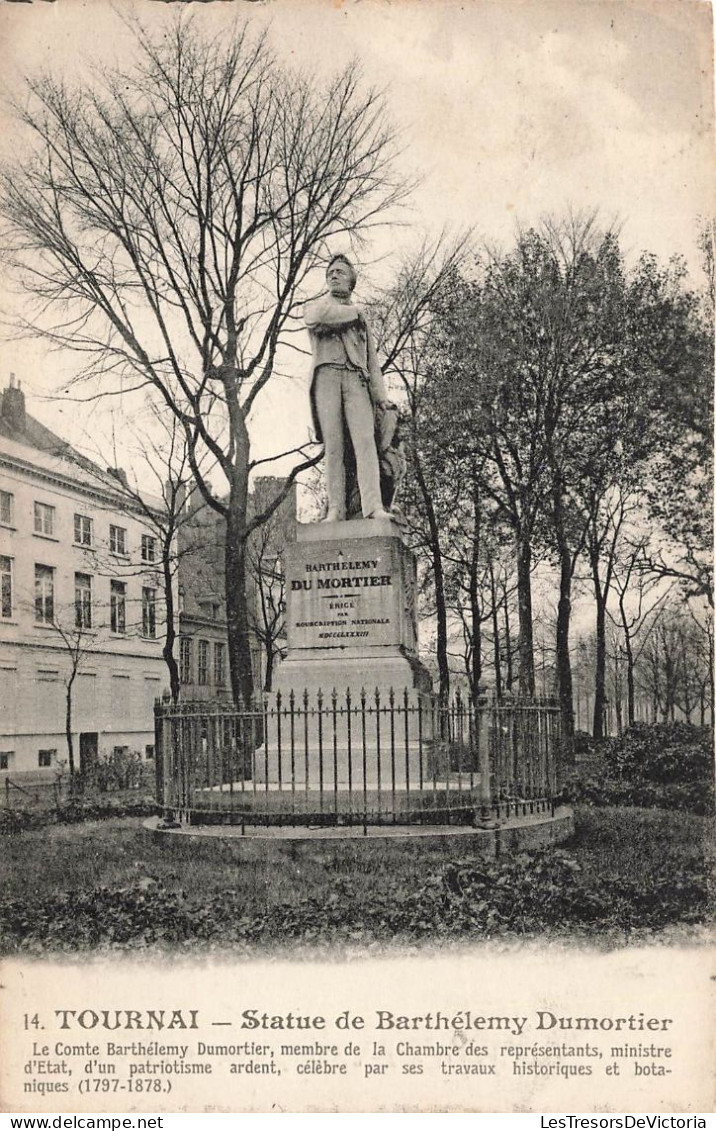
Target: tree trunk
[476, 664]
[237, 611]
[630, 679]
[495, 633]
[564, 666]
[475, 618]
[564, 612]
[669, 688]
[702, 706]
[618, 692]
[600, 676]
[509, 678]
[268, 677]
[438, 581]
[170, 636]
[68, 726]
[526, 661]
[688, 701]
[442, 635]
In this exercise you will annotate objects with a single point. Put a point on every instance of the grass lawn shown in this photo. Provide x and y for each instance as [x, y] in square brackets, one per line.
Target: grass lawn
[107, 885]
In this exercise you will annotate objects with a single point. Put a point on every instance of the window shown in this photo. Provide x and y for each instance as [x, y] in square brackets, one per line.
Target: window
[210, 609]
[149, 612]
[118, 539]
[5, 759]
[118, 606]
[44, 519]
[45, 757]
[5, 587]
[219, 668]
[44, 594]
[83, 600]
[83, 530]
[6, 508]
[185, 659]
[149, 548]
[120, 751]
[203, 665]
[148, 751]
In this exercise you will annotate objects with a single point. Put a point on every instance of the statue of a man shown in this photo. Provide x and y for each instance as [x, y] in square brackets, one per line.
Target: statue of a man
[346, 386]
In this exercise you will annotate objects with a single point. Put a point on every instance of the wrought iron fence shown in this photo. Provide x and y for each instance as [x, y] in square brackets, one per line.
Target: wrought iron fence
[356, 760]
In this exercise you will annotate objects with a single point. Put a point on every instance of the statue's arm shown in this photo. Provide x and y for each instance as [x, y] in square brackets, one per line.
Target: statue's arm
[378, 391]
[326, 314]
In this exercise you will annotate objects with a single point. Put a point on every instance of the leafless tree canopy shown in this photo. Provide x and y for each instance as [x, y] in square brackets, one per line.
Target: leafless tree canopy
[171, 212]
[167, 216]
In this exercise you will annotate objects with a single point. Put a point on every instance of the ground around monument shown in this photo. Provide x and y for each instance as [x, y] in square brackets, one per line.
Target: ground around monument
[627, 875]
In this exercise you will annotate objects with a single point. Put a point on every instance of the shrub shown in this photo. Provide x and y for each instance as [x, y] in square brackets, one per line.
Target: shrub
[690, 797]
[584, 746]
[445, 757]
[663, 752]
[465, 897]
[661, 766]
[72, 812]
[120, 770]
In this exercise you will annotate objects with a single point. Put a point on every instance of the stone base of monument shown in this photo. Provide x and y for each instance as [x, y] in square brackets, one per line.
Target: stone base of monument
[272, 841]
[338, 804]
[352, 704]
[377, 767]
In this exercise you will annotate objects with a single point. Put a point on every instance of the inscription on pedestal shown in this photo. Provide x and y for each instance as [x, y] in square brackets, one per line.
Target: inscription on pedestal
[351, 620]
[343, 595]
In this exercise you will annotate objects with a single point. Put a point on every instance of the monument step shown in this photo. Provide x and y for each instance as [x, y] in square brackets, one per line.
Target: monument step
[250, 788]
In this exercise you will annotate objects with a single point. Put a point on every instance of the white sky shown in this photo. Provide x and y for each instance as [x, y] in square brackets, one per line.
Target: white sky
[507, 110]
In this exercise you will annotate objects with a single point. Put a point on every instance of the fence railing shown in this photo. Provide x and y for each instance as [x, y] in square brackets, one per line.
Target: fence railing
[24, 794]
[361, 760]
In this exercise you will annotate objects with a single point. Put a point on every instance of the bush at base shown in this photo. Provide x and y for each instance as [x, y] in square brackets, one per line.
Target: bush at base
[662, 752]
[664, 765]
[529, 894]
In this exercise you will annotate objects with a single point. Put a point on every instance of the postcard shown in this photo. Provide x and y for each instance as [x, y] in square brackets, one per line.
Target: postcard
[356, 638]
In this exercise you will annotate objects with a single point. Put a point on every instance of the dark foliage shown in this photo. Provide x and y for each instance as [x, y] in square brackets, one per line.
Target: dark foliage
[684, 797]
[659, 766]
[664, 753]
[585, 746]
[72, 812]
[465, 898]
[121, 770]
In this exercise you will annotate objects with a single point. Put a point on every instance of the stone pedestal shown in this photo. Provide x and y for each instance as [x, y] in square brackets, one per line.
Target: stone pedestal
[351, 691]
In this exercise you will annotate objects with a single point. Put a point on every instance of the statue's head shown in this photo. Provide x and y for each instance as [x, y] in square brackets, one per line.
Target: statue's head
[341, 275]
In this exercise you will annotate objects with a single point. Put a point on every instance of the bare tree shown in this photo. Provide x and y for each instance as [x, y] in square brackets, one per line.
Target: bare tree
[166, 220]
[640, 596]
[608, 509]
[704, 627]
[78, 644]
[268, 617]
[268, 579]
[169, 512]
[404, 316]
[78, 628]
[676, 664]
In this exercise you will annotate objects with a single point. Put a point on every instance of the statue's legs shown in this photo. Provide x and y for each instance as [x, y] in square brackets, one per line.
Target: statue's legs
[339, 393]
[358, 408]
[328, 399]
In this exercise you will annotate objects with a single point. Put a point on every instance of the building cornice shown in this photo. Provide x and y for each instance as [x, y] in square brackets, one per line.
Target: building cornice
[88, 490]
[90, 652]
[202, 622]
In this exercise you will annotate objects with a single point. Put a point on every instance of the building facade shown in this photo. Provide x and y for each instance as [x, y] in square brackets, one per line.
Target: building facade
[203, 642]
[203, 655]
[82, 615]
